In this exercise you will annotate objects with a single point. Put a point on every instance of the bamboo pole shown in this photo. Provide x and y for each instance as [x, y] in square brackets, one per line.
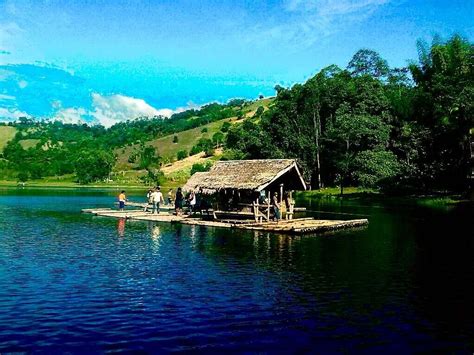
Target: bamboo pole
[292, 204]
[268, 205]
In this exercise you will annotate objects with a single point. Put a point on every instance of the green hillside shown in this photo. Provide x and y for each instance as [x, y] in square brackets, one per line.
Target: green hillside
[168, 150]
[6, 134]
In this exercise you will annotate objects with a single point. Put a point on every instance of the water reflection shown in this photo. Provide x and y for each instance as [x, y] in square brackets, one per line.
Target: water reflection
[121, 227]
[402, 284]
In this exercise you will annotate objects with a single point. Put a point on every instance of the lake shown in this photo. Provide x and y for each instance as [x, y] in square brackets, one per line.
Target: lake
[72, 282]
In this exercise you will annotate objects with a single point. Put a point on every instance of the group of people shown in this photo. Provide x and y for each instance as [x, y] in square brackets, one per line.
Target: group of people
[195, 202]
[262, 199]
[155, 197]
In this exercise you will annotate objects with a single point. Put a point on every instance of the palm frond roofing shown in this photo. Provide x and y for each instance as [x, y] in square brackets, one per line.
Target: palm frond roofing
[243, 175]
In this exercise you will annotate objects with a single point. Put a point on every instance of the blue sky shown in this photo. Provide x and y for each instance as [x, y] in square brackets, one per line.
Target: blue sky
[106, 61]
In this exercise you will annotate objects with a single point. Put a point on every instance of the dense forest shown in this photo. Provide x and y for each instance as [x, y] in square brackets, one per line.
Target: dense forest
[371, 125]
[400, 129]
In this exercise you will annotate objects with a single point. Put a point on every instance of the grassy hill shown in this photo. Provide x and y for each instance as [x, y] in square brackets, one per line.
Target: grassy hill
[186, 139]
[181, 132]
[6, 134]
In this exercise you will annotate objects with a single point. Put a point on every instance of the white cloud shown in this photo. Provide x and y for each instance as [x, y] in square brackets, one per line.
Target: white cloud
[71, 115]
[6, 97]
[308, 21]
[11, 114]
[108, 110]
[22, 84]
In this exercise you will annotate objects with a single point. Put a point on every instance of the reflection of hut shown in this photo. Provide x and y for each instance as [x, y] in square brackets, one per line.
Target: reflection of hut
[244, 187]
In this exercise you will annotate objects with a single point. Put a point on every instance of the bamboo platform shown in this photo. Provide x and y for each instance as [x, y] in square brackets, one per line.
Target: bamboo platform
[294, 226]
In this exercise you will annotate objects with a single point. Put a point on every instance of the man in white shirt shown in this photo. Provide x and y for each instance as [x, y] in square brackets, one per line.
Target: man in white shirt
[156, 198]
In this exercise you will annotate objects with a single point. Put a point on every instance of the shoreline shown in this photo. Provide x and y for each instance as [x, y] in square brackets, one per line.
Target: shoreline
[434, 199]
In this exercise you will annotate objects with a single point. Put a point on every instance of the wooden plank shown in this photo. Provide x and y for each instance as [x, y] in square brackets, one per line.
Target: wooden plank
[295, 226]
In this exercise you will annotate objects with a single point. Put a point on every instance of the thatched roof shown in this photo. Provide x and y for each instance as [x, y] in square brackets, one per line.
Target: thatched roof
[245, 175]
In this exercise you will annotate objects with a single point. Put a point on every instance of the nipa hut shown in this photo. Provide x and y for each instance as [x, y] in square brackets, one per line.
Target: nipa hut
[245, 187]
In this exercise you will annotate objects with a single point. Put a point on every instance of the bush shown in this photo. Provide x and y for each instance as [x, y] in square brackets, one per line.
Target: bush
[232, 154]
[93, 166]
[182, 154]
[201, 167]
[204, 130]
[218, 138]
[225, 126]
[374, 167]
[22, 176]
[203, 145]
[259, 111]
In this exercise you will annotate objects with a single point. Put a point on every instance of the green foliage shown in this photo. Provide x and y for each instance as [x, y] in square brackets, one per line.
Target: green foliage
[182, 154]
[218, 138]
[232, 154]
[259, 111]
[225, 126]
[204, 130]
[371, 124]
[153, 177]
[148, 157]
[198, 167]
[22, 176]
[444, 104]
[91, 166]
[368, 62]
[375, 167]
[251, 140]
[203, 145]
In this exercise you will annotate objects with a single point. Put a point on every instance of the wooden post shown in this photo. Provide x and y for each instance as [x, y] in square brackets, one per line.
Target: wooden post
[255, 210]
[268, 206]
[292, 204]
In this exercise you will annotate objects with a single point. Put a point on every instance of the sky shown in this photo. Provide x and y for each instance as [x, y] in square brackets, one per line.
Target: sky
[109, 61]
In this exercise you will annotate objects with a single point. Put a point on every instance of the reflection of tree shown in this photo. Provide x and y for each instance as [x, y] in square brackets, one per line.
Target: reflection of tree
[443, 275]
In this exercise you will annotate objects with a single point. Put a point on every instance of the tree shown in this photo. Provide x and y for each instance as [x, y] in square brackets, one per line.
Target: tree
[153, 177]
[198, 167]
[93, 165]
[203, 145]
[259, 111]
[218, 139]
[444, 103]
[182, 154]
[225, 126]
[148, 157]
[376, 167]
[22, 176]
[368, 62]
[352, 134]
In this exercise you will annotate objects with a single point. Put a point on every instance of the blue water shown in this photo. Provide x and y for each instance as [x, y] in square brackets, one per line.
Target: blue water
[71, 282]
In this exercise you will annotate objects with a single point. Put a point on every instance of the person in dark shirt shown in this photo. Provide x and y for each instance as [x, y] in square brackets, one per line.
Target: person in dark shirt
[276, 207]
[178, 202]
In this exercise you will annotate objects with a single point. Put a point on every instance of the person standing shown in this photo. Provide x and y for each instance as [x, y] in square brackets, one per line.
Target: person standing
[276, 207]
[156, 197]
[178, 202]
[121, 199]
[170, 197]
[148, 200]
[192, 202]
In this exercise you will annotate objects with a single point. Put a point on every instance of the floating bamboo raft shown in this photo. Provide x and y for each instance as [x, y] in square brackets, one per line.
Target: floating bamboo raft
[294, 226]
